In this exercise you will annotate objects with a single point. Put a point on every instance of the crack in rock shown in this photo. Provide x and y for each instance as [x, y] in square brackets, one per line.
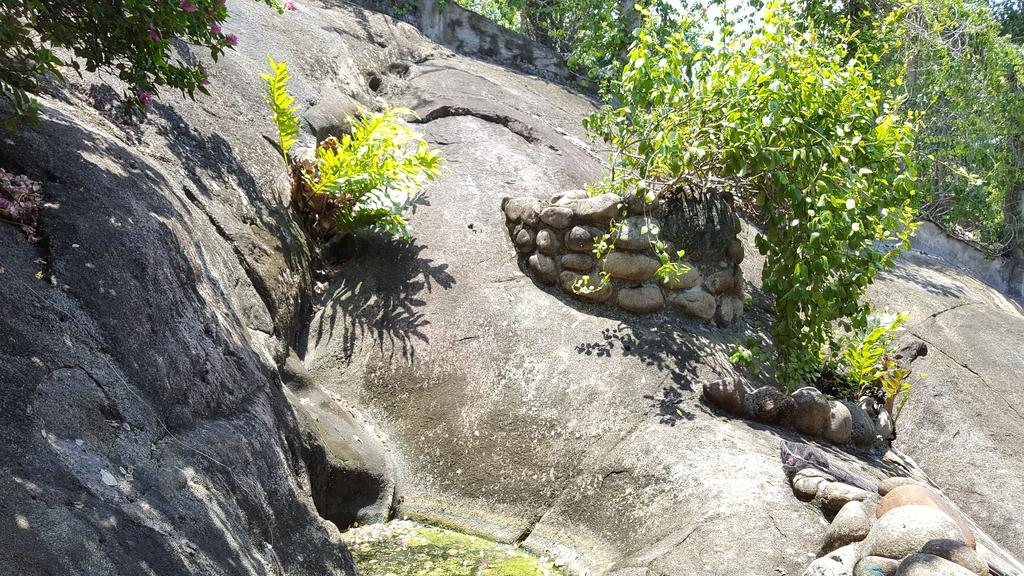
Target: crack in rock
[514, 125]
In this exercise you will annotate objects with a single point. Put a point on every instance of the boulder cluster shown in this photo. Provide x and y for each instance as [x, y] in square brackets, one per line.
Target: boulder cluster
[806, 410]
[555, 241]
[907, 529]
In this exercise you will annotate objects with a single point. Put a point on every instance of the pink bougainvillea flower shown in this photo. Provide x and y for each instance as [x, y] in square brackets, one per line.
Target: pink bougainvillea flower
[215, 29]
[153, 34]
[145, 97]
[232, 39]
[291, 6]
[187, 6]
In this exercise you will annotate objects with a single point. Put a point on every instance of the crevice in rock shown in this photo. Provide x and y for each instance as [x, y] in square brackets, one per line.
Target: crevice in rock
[532, 526]
[972, 371]
[517, 127]
[257, 282]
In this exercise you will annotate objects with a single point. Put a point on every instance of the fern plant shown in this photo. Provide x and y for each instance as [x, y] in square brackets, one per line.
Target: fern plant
[282, 106]
[365, 179]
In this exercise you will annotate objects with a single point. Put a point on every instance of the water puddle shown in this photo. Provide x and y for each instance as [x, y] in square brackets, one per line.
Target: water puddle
[406, 548]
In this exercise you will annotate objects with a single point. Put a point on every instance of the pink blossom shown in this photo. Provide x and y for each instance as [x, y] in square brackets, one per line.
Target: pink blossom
[153, 34]
[291, 6]
[145, 97]
[4, 203]
[232, 39]
[215, 29]
[187, 6]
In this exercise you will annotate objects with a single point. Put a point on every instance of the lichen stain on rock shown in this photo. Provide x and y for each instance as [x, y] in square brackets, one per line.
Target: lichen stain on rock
[406, 548]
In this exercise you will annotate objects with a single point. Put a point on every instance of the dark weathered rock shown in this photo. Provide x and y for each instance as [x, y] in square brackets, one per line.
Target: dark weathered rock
[766, 404]
[578, 262]
[634, 234]
[544, 267]
[863, 431]
[593, 290]
[548, 242]
[524, 240]
[581, 238]
[958, 553]
[928, 565]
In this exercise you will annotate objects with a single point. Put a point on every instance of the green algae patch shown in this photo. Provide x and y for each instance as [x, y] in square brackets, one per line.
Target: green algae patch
[406, 548]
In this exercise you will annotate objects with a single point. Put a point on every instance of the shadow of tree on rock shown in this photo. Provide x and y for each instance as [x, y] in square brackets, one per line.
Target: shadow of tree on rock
[376, 295]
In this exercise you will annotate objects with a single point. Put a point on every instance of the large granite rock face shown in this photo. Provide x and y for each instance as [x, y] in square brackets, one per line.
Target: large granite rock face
[145, 428]
[965, 414]
[517, 412]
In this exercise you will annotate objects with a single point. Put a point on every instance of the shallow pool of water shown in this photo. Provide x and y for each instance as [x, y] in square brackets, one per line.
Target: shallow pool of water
[406, 548]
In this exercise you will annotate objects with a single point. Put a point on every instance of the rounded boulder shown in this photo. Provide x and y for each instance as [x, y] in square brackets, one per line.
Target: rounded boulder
[907, 529]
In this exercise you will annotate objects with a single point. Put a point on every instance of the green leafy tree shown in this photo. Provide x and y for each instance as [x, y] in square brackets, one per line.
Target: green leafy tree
[801, 126]
[365, 179]
[131, 39]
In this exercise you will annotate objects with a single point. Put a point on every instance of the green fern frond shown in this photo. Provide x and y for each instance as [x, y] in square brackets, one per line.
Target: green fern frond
[282, 106]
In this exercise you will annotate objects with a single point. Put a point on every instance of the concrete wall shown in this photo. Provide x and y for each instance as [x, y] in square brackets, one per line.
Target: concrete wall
[996, 271]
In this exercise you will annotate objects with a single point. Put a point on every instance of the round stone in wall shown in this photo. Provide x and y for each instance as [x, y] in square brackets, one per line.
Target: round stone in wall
[929, 565]
[524, 240]
[694, 302]
[684, 281]
[544, 267]
[720, 282]
[635, 233]
[581, 238]
[627, 266]
[958, 553]
[525, 210]
[642, 299]
[559, 217]
[578, 262]
[593, 290]
[812, 411]
[730, 307]
[840, 424]
[727, 394]
[876, 566]
[548, 242]
[850, 525]
[907, 529]
[599, 210]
